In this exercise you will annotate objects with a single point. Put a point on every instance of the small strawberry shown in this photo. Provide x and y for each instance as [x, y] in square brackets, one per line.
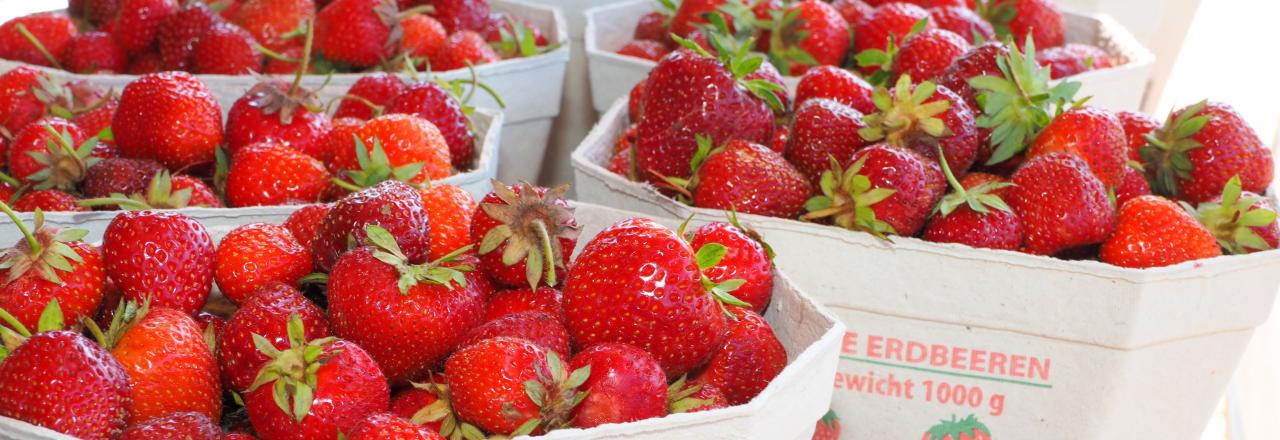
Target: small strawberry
[1025, 20]
[181, 280]
[450, 209]
[264, 315]
[36, 39]
[368, 95]
[690, 14]
[185, 425]
[507, 302]
[887, 190]
[1243, 222]
[268, 173]
[968, 428]
[393, 205]
[1073, 58]
[276, 111]
[258, 254]
[890, 20]
[828, 427]
[975, 215]
[749, 359]
[383, 426]
[179, 33]
[427, 404]
[226, 49]
[461, 49]
[461, 15]
[118, 175]
[964, 22]
[1136, 128]
[150, 109]
[1061, 203]
[400, 140]
[201, 193]
[50, 264]
[304, 222]
[923, 118]
[654, 26]
[1154, 232]
[683, 397]
[1132, 184]
[823, 129]
[361, 33]
[51, 153]
[745, 177]
[836, 84]
[808, 33]
[137, 22]
[746, 258]
[927, 55]
[1203, 146]
[625, 385]
[510, 386]
[19, 105]
[430, 101]
[1091, 133]
[48, 200]
[423, 36]
[142, 64]
[524, 234]
[271, 22]
[94, 52]
[646, 49]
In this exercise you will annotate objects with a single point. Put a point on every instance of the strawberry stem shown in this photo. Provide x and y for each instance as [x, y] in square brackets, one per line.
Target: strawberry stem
[548, 256]
[306, 57]
[14, 323]
[951, 178]
[26, 233]
[22, 28]
[420, 9]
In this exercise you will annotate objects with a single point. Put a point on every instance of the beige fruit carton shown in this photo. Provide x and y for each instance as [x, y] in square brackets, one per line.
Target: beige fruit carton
[1032, 346]
[530, 88]
[1118, 88]
[785, 410]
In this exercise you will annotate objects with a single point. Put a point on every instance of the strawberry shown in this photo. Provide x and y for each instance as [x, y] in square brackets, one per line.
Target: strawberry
[1200, 148]
[94, 52]
[852, 10]
[746, 258]
[1015, 103]
[153, 105]
[614, 276]
[890, 20]
[746, 177]
[828, 427]
[1073, 58]
[975, 215]
[314, 389]
[836, 84]
[693, 13]
[304, 222]
[50, 264]
[450, 209]
[507, 302]
[635, 101]
[290, 61]
[268, 173]
[513, 387]
[647, 49]
[513, 37]
[19, 105]
[118, 175]
[654, 26]
[51, 153]
[276, 111]
[979, 60]
[368, 94]
[382, 426]
[750, 357]
[963, 21]
[341, 137]
[179, 33]
[524, 234]
[625, 385]
[393, 205]
[808, 33]
[142, 64]
[427, 404]
[49, 33]
[1061, 203]
[1242, 222]
[186, 425]
[922, 118]
[1136, 128]
[460, 15]
[423, 36]
[258, 254]
[64, 382]
[822, 129]
[1132, 184]
[49, 200]
[461, 48]
[968, 428]
[430, 101]
[270, 21]
[405, 141]
[201, 193]
[1091, 133]
[928, 54]
[96, 12]
[361, 33]
[171, 368]
[181, 280]
[887, 190]
[683, 397]
[137, 22]
[266, 315]
[1154, 232]
[540, 328]
[409, 317]
[1026, 20]
[226, 49]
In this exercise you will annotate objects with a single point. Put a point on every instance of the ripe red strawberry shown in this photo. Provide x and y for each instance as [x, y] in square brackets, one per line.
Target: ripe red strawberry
[692, 13]
[48, 200]
[746, 177]
[646, 49]
[361, 33]
[185, 425]
[974, 214]
[895, 194]
[654, 26]
[1243, 222]
[96, 12]
[543, 329]
[814, 28]
[450, 209]
[171, 368]
[276, 111]
[409, 317]
[510, 386]
[683, 397]
[1154, 232]
[1039, 20]
[750, 358]
[393, 205]
[836, 84]
[142, 64]
[505, 33]
[461, 48]
[746, 258]
[617, 272]
[50, 264]
[181, 280]
[1136, 128]
[427, 404]
[269, 21]
[429, 101]
[460, 15]
[31, 160]
[978, 61]
[51, 30]
[968, 428]
[923, 118]
[423, 36]
[272, 174]
[635, 101]
[19, 105]
[852, 10]
[515, 229]
[888, 20]
[258, 254]
[1132, 184]
[226, 49]
[119, 175]
[265, 314]
[94, 52]
[383, 426]
[152, 106]
[828, 427]
[1073, 58]
[406, 141]
[625, 385]
[1200, 148]
[927, 55]
[341, 137]
[377, 88]
[963, 21]
[823, 129]
[304, 222]
[137, 22]
[62, 381]
[329, 385]
[1061, 203]
[201, 193]
[1091, 133]
[507, 302]
[179, 33]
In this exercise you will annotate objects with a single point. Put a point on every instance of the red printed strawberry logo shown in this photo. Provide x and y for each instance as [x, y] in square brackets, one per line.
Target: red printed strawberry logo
[968, 428]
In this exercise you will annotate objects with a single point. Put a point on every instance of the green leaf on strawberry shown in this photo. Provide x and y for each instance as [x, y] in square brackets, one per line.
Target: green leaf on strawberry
[1016, 105]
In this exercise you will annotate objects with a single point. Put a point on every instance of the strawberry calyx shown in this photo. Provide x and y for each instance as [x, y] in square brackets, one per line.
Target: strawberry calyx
[785, 37]
[443, 271]
[1232, 219]
[531, 226]
[739, 62]
[680, 396]
[127, 315]
[45, 250]
[997, 12]
[707, 257]
[684, 187]
[1016, 105]
[847, 198]
[883, 59]
[375, 167]
[732, 216]
[441, 410]
[517, 40]
[979, 198]
[292, 371]
[64, 164]
[904, 116]
[954, 429]
[70, 100]
[1167, 148]
[13, 333]
[276, 97]
[159, 195]
[555, 392]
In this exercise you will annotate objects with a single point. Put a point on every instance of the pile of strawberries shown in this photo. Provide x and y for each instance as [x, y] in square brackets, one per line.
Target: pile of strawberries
[162, 142]
[881, 39]
[395, 312]
[986, 153]
[237, 37]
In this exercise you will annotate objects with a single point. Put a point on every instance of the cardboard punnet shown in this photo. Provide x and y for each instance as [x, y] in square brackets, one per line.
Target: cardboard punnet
[785, 410]
[1119, 88]
[1038, 345]
[529, 110]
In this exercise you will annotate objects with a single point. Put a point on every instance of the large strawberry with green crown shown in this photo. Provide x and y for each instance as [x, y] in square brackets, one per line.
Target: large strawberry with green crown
[1017, 102]
[974, 214]
[524, 234]
[1203, 146]
[169, 117]
[51, 153]
[47, 264]
[922, 118]
[393, 205]
[968, 428]
[887, 190]
[1153, 231]
[181, 280]
[1061, 203]
[262, 318]
[510, 386]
